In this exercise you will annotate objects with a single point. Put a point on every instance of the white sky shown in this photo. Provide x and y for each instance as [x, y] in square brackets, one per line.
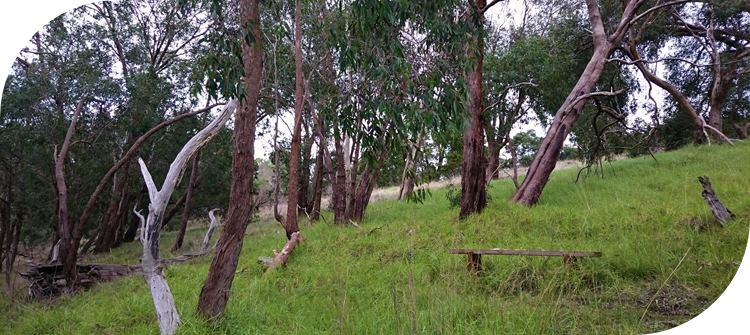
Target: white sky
[19, 20]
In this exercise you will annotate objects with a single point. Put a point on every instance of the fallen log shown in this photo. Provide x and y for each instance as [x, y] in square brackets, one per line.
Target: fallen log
[282, 257]
[720, 211]
[47, 280]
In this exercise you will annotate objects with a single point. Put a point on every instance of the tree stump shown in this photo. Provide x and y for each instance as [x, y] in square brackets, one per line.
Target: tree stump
[720, 211]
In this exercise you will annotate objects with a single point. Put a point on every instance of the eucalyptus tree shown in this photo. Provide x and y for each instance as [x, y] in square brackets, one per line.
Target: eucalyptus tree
[215, 292]
[604, 43]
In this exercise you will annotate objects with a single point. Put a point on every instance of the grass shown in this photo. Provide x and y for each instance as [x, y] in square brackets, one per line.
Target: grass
[394, 276]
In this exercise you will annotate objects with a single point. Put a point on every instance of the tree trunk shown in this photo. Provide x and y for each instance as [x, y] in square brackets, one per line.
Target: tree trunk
[473, 189]
[212, 223]
[161, 295]
[215, 292]
[188, 200]
[68, 249]
[549, 151]
[290, 226]
[109, 226]
[176, 208]
[722, 214]
[339, 185]
[305, 202]
[407, 177]
[317, 194]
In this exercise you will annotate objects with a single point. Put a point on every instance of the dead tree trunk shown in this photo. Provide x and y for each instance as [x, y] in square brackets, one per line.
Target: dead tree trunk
[188, 199]
[65, 231]
[215, 292]
[282, 257]
[549, 150]
[166, 311]
[473, 189]
[721, 213]
[211, 226]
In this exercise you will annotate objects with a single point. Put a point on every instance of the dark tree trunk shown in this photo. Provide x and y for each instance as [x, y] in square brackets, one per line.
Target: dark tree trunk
[175, 208]
[188, 200]
[305, 202]
[68, 247]
[317, 194]
[367, 183]
[109, 226]
[290, 225]
[339, 185]
[473, 187]
[549, 151]
[215, 292]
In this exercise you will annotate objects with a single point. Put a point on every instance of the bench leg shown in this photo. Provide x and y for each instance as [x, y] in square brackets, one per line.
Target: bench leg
[474, 264]
[569, 260]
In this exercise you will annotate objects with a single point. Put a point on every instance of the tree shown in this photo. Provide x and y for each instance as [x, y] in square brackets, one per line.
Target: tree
[215, 292]
[544, 162]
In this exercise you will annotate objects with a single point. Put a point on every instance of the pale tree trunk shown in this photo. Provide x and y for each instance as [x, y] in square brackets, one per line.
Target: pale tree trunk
[549, 151]
[70, 255]
[188, 199]
[290, 225]
[213, 222]
[65, 231]
[161, 295]
[473, 189]
[215, 292]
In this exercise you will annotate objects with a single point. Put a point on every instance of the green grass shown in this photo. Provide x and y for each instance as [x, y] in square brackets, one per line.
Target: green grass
[394, 276]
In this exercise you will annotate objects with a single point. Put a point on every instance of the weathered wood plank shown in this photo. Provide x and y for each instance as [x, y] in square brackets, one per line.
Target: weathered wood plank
[524, 252]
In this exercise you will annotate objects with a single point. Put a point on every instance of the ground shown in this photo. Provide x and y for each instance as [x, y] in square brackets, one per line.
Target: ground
[665, 260]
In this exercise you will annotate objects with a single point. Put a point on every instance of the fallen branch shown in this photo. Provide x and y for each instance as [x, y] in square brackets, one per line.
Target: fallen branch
[282, 257]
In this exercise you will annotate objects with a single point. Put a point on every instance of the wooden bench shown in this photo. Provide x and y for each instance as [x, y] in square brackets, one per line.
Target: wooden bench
[474, 256]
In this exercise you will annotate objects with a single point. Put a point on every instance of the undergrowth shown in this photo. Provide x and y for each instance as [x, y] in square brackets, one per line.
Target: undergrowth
[393, 275]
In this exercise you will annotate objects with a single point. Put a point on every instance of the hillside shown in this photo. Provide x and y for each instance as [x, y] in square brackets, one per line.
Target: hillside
[394, 275]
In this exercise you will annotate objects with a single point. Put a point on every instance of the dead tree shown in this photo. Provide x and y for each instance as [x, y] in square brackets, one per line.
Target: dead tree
[721, 213]
[166, 311]
[280, 258]
[211, 226]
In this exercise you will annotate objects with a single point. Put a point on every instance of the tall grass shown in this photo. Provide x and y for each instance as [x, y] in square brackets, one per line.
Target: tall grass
[394, 276]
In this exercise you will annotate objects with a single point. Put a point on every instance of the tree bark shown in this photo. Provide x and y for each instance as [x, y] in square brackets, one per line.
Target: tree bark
[549, 151]
[317, 192]
[188, 199]
[290, 225]
[407, 177]
[473, 187]
[339, 185]
[109, 225]
[215, 292]
[68, 249]
[166, 311]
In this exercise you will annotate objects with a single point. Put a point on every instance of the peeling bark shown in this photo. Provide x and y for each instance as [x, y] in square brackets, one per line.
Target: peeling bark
[166, 311]
[215, 292]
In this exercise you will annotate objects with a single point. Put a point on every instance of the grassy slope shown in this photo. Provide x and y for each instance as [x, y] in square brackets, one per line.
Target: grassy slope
[394, 276]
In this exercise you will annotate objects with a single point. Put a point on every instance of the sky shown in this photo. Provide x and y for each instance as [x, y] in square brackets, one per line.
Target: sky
[19, 20]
